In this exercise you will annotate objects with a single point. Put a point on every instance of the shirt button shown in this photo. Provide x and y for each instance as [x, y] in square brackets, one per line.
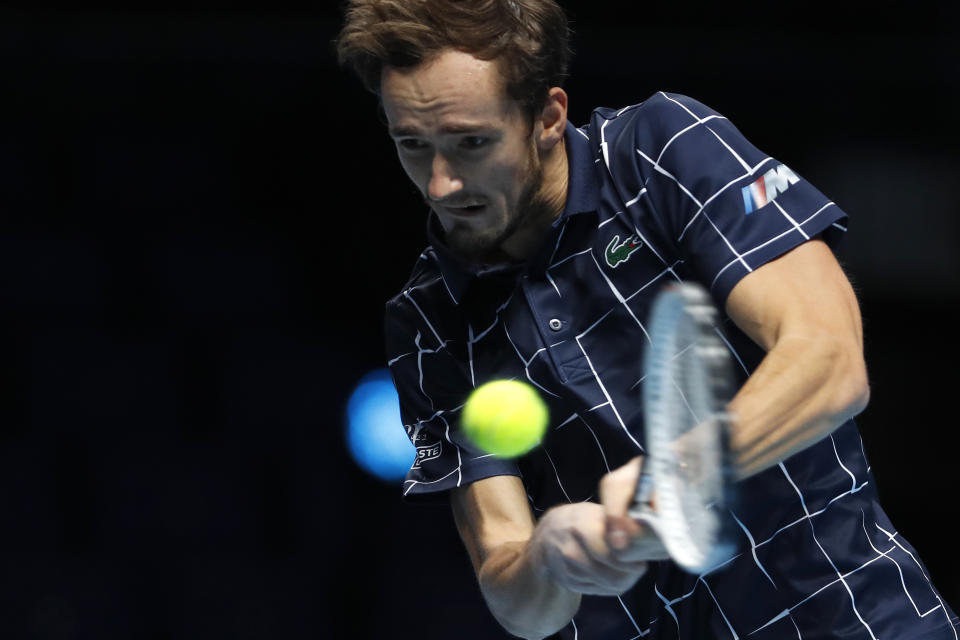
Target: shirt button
[555, 324]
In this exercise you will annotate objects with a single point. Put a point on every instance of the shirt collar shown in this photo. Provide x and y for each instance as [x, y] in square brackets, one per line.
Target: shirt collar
[583, 195]
[456, 273]
[583, 189]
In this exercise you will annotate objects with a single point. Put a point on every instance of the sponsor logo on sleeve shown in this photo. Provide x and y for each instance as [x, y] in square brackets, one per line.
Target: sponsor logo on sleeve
[428, 452]
[768, 187]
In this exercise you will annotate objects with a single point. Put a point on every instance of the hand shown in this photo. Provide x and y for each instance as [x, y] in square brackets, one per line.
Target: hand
[597, 548]
[569, 547]
[629, 540]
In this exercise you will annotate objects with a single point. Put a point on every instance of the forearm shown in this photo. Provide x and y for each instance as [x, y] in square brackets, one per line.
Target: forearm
[805, 387]
[498, 530]
[524, 600]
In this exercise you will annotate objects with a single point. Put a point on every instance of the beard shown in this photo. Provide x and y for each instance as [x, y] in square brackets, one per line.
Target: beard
[485, 245]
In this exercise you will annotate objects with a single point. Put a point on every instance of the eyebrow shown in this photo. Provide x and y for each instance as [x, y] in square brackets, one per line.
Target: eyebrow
[453, 128]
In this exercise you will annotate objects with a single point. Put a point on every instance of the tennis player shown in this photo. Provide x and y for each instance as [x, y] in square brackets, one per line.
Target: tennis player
[547, 243]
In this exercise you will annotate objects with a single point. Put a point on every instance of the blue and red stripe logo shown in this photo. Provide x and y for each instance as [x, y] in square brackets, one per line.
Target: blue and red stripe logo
[764, 189]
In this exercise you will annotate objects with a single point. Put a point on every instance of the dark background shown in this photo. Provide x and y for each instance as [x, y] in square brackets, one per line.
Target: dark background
[202, 218]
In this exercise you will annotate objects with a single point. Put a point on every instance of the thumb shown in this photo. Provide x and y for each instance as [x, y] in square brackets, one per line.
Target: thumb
[617, 490]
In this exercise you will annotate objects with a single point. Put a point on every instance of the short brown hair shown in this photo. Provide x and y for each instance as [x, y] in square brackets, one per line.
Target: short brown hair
[529, 39]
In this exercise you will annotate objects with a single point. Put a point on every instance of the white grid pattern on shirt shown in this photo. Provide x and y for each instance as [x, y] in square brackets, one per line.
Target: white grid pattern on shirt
[737, 258]
[526, 363]
[841, 578]
[749, 171]
[621, 300]
[772, 240]
[721, 190]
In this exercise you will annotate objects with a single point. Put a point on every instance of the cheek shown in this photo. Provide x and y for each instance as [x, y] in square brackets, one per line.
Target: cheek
[520, 170]
[508, 178]
[521, 182]
[414, 172]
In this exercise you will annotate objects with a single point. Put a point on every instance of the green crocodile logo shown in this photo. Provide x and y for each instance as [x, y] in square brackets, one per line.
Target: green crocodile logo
[618, 252]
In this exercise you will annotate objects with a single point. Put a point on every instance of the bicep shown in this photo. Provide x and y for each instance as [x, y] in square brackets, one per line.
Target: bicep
[803, 293]
[490, 512]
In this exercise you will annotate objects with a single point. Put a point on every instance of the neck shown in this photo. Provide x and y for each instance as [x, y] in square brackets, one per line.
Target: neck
[556, 175]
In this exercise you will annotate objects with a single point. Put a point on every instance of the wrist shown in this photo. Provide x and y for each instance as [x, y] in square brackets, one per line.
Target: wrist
[521, 593]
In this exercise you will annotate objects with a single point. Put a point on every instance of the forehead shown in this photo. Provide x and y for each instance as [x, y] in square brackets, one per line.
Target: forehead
[453, 88]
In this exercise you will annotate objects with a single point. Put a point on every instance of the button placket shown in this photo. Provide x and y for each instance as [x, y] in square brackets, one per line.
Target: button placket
[550, 336]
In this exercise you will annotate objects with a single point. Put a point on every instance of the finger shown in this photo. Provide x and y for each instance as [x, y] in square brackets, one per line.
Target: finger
[580, 571]
[570, 572]
[646, 547]
[606, 583]
[618, 487]
[598, 553]
[613, 588]
[622, 531]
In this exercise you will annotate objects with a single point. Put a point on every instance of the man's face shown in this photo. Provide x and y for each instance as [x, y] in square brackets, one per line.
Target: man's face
[467, 147]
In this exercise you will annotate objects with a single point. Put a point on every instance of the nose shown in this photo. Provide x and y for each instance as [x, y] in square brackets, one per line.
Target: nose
[443, 180]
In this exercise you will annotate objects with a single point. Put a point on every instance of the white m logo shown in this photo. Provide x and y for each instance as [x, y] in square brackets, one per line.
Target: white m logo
[777, 180]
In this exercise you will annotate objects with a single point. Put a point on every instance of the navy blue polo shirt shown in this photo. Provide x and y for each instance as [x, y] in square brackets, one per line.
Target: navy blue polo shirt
[662, 191]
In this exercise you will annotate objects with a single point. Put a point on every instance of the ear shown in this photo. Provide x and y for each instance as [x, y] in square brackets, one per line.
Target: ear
[552, 120]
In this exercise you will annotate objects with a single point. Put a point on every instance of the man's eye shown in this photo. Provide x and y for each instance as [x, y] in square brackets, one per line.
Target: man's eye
[473, 142]
[411, 144]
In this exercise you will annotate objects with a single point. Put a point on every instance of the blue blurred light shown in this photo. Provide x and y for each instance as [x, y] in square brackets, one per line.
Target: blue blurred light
[375, 433]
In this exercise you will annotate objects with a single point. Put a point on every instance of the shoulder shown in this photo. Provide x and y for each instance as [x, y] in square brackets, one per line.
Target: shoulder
[671, 139]
[424, 276]
[421, 305]
[652, 121]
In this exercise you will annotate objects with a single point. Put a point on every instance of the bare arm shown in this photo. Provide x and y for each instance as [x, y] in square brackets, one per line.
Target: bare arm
[496, 524]
[802, 310]
[532, 575]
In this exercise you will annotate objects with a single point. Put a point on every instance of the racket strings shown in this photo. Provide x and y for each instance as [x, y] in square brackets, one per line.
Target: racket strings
[684, 393]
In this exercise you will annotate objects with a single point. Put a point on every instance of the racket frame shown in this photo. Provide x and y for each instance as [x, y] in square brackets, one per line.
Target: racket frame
[695, 546]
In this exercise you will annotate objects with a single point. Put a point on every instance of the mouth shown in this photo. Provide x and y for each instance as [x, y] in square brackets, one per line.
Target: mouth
[466, 210]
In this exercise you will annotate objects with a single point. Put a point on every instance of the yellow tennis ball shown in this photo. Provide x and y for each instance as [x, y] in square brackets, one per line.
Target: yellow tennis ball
[505, 417]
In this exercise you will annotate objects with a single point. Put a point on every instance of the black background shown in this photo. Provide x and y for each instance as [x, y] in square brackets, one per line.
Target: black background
[202, 218]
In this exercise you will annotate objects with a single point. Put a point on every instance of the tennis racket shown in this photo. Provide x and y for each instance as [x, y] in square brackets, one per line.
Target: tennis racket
[686, 485]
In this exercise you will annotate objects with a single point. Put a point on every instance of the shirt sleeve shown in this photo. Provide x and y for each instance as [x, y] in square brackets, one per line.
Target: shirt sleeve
[433, 384]
[723, 205]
